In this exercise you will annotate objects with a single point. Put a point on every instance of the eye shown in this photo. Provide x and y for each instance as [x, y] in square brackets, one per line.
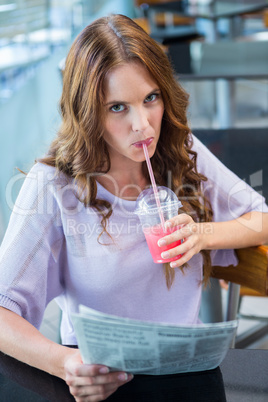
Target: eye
[117, 108]
[151, 98]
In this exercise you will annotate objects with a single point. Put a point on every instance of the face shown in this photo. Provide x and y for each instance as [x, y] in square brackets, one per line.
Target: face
[133, 112]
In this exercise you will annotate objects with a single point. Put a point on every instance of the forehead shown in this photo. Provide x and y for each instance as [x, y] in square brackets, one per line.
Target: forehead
[127, 80]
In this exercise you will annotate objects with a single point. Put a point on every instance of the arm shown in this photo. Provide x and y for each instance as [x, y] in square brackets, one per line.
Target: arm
[237, 224]
[21, 340]
[22, 273]
[250, 229]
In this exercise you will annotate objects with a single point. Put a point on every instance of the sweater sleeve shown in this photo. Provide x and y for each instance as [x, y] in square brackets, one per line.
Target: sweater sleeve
[230, 196]
[32, 249]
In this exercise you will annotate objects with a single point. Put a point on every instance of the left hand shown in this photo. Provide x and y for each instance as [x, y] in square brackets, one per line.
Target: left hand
[192, 239]
[91, 382]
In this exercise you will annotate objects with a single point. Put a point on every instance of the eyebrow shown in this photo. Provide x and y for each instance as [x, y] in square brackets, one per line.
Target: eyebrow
[119, 102]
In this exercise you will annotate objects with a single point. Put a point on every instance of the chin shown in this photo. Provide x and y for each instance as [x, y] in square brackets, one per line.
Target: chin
[141, 157]
[138, 158]
[151, 150]
[137, 154]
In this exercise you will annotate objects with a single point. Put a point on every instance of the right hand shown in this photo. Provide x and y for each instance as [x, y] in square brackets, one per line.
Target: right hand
[92, 382]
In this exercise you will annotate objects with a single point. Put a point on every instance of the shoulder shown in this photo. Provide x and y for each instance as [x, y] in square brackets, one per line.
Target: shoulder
[207, 163]
[41, 185]
[47, 174]
[42, 177]
[202, 151]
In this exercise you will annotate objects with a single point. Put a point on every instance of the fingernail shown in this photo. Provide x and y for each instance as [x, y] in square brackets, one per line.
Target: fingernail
[161, 242]
[168, 224]
[173, 264]
[165, 254]
[104, 370]
[123, 376]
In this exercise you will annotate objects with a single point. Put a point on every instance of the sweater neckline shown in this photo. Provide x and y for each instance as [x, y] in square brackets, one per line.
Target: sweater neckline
[102, 192]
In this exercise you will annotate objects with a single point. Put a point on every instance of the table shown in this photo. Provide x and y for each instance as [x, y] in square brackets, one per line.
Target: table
[223, 62]
[22, 383]
[212, 12]
[244, 372]
[229, 60]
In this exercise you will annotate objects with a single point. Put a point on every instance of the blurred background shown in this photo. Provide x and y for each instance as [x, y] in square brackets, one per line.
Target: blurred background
[35, 36]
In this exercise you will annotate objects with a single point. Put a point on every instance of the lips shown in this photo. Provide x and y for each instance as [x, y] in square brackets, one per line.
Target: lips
[147, 142]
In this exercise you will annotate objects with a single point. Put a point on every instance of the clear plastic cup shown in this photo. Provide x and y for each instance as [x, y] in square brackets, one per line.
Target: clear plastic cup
[148, 213]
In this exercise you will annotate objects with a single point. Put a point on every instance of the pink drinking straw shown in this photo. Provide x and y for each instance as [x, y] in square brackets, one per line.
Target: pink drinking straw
[156, 195]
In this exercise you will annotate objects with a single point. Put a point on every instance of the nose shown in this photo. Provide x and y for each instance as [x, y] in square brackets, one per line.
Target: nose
[139, 120]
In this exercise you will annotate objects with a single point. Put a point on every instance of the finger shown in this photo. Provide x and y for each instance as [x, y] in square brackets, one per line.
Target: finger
[100, 389]
[97, 380]
[181, 219]
[85, 370]
[183, 232]
[183, 259]
[97, 392]
[190, 244]
[172, 253]
[172, 237]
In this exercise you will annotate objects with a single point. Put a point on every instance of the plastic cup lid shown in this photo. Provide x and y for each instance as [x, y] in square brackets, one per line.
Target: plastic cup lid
[146, 202]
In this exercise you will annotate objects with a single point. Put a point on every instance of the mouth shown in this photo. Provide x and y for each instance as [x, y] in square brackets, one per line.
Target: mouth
[139, 144]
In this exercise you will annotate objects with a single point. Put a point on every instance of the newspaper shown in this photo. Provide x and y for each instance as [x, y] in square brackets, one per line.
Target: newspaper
[143, 347]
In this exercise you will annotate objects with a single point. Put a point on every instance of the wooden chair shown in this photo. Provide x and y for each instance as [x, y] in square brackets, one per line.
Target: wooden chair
[265, 18]
[248, 278]
[260, 16]
[163, 18]
[164, 26]
[144, 23]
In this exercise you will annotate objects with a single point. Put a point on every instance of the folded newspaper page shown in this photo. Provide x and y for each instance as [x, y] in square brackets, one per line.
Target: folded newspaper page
[142, 347]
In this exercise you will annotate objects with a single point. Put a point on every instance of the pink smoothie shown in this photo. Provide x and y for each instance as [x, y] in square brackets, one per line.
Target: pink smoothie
[152, 236]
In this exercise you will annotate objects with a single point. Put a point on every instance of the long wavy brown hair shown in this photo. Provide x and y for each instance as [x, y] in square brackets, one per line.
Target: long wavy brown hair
[79, 149]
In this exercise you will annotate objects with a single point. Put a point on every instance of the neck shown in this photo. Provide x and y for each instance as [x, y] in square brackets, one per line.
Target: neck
[126, 183]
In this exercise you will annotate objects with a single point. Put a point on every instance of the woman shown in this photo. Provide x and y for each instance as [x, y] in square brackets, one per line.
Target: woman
[73, 235]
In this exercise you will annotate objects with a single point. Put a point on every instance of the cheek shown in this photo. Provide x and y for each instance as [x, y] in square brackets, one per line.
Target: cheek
[111, 127]
[108, 126]
[158, 116]
[114, 126]
[114, 132]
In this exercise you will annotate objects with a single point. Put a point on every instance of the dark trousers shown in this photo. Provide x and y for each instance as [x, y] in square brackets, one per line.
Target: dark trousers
[203, 386]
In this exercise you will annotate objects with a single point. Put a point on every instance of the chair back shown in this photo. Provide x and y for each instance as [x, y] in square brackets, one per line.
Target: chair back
[251, 271]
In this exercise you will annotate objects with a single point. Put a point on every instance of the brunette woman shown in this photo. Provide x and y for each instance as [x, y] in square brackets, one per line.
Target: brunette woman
[73, 235]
